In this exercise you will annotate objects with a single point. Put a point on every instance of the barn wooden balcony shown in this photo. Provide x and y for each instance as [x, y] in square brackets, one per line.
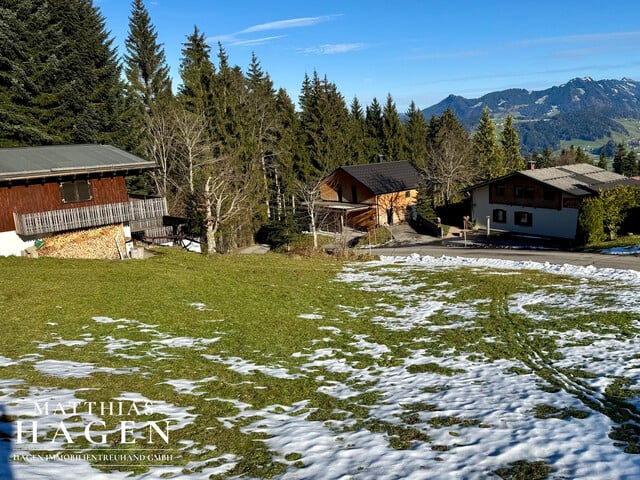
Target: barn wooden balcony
[138, 212]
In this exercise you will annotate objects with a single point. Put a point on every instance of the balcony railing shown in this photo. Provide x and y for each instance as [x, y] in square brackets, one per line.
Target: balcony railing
[136, 211]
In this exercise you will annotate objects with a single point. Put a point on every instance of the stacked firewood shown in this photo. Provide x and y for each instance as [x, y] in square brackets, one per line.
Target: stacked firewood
[104, 242]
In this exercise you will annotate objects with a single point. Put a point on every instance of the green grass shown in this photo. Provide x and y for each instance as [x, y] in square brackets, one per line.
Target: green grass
[252, 307]
[623, 241]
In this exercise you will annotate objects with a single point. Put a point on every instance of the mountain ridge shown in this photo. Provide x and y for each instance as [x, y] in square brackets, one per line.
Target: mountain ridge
[581, 108]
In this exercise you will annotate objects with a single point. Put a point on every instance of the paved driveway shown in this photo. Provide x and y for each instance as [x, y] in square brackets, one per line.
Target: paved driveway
[626, 262]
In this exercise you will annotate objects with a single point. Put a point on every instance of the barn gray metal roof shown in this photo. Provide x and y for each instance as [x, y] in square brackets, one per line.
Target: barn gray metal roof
[580, 179]
[59, 160]
[385, 177]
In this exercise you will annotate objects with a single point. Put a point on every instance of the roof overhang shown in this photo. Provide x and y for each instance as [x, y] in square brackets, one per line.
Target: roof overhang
[25, 164]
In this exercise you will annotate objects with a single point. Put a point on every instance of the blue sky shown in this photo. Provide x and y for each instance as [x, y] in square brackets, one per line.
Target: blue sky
[414, 50]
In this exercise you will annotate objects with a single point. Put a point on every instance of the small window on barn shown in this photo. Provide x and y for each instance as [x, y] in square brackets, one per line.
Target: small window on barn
[549, 193]
[522, 191]
[499, 215]
[524, 219]
[75, 191]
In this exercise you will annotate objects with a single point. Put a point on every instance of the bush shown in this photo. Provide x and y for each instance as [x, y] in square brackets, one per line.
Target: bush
[278, 233]
[591, 221]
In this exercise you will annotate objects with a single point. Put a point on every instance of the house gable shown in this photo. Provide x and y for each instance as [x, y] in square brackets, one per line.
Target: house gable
[542, 202]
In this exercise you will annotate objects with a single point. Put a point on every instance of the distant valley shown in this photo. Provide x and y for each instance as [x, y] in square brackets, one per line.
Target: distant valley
[583, 112]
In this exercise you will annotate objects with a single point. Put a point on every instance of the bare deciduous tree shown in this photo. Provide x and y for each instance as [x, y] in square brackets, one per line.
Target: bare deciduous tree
[224, 199]
[450, 166]
[192, 145]
[160, 146]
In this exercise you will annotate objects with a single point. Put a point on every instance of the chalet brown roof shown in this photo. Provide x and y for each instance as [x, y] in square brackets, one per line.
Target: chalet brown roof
[580, 179]
[385, 177]
[21, 163]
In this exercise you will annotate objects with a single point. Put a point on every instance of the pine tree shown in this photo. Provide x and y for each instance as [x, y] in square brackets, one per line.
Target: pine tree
[618, 158]
[416, 136]
[324, 125]
[197, 74]
[63, 72]
[359, 144]
[229, 95]
[629, 164]
[286, 154]
[510, 141]
[489, 157]
[375, 134]
[392, 131]
[581, 156]
[145, 64]
[602, 159]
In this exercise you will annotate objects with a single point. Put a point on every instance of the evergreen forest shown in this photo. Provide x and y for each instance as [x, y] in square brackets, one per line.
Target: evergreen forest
[234, 153]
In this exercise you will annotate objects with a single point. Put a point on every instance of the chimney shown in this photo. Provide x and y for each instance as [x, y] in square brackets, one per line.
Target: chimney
[531, 165]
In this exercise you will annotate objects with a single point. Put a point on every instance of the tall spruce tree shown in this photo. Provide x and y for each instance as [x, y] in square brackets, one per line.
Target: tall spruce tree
[618, 158]
[489, 157]
[416, 137]
[197, 74]
[510, 141]
[358, 145]
[62, 78]
[145, 63]
[324, 125]
[375, 134]
[392, 131]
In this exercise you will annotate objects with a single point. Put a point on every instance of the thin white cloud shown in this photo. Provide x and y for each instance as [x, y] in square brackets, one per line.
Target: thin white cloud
[290, 23]
[334, 48]
[254, 41]
[239, 38]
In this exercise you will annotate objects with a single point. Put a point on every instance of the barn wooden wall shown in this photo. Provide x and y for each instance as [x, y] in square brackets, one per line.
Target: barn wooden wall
[46, 196]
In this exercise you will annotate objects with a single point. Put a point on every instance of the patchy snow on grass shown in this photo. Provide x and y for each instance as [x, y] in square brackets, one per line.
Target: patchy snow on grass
[246, 367]
[435, 410]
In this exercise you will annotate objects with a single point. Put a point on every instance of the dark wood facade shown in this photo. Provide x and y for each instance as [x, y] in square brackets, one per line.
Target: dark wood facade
[526, 192]
[46, 195]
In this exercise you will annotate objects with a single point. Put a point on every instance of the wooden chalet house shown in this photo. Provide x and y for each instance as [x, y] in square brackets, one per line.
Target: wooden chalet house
[543, 202]
[52, 189]
[372, 194]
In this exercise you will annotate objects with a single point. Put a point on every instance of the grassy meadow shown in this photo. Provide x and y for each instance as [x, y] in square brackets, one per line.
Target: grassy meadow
[259, 360]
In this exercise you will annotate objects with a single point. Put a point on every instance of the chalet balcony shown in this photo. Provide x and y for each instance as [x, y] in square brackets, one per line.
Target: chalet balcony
[140, 213]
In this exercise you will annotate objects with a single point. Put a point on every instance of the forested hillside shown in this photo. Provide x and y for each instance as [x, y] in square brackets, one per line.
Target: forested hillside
[233, 153]
[582, 108]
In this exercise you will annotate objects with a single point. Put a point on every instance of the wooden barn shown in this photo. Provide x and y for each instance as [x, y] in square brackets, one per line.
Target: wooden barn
[371, 194]
[47, 190]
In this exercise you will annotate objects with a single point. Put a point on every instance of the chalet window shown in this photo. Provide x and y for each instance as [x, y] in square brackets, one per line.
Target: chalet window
[522, 191]
[499, 190]
[407, 194]
[549, 194]
[524, 219]
[354, 194]
[75, 191]
[499, 216]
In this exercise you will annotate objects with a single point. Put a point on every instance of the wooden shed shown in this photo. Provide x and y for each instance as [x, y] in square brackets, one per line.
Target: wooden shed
[52, 189]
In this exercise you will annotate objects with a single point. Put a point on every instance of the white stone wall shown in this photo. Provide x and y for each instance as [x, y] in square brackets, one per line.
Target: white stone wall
[546, 222]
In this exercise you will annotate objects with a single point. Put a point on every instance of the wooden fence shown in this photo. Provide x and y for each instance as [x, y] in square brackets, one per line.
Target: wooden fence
[31, 224]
